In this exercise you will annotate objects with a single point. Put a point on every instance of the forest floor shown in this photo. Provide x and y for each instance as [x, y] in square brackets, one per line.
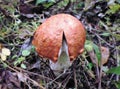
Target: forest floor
[97, 68]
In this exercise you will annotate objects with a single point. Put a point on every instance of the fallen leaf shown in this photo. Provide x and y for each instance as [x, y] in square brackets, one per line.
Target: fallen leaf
[5, 51]
[3, 57]
[93, 57]
[105, 55]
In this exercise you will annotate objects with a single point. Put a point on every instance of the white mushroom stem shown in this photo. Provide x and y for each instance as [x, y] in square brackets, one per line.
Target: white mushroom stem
[63, 58]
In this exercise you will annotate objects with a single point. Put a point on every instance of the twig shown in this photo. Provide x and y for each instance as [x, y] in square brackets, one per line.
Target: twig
[8, 66]
[64, 83]
[105, 41]
[34, 82]
[112, 76]
[43, 77]
[118, 62]
[100, 71]
[75, 80]
[100, 64]
[58, 77]
[101, 37]
[40, 86]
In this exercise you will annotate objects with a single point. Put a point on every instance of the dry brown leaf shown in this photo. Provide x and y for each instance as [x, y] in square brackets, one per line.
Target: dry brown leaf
[105, 53]
[93, 57]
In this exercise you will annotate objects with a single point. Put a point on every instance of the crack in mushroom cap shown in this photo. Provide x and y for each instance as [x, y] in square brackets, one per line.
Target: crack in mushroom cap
[48, 37]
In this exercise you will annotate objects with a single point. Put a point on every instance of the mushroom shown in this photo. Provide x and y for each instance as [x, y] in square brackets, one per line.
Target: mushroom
[61, 39]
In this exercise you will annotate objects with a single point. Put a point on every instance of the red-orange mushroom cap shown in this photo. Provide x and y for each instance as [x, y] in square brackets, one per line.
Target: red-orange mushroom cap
[48, 37]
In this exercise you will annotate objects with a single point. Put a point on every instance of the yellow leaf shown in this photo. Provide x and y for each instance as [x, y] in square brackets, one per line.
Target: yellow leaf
[3, 57]
[6, 51]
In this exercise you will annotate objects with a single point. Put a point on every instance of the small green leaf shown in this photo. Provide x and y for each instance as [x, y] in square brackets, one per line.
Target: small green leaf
[23, 66]
[33, 49]
[105, 34]
[90, 65]
[19, 60]
[113, 9]
[44, 1]
[117, 36]
[88, 45]
[26, 52]
[40, 1]
[14, 56]
[114, 70]
[5, 65]
[97, 52]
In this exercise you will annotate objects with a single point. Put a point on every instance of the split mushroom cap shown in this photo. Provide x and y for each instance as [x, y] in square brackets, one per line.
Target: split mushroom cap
[48, 37]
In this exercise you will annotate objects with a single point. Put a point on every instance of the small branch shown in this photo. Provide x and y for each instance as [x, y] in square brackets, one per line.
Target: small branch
[58, 78]
[104, 40]
[75, 80]
[64, 83]
[86, 79]
[118, 62]
[34, 82]
[110, 80]
[99, 70]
